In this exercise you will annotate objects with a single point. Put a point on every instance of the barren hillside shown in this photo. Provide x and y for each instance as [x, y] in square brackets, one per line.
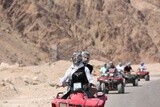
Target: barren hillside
[37, 31]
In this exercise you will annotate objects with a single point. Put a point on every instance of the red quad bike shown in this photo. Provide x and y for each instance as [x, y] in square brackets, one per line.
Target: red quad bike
[78, 98]
[110, 82]
[143, 75]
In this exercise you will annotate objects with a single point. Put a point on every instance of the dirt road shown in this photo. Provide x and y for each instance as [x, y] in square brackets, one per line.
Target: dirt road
[145, 95]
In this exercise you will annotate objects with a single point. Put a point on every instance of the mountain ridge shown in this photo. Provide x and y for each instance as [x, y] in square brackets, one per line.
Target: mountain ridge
[117, 30]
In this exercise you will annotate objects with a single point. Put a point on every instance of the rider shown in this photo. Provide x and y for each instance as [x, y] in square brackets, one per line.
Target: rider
[85, 60]
[77, 72]
[111, 65]
[128, 68]
[103, 69]
[120, 67]
[113, 68]
[142, 67]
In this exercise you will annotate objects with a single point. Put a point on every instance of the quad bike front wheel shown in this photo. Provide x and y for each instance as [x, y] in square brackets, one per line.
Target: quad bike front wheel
[124, 82]
[135, 82]
[98, 86]
[103, 88]
[120, 88]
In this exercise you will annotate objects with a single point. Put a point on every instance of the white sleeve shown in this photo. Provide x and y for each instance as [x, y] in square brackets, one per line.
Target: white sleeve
[117, 66]
[122, 68]
[66, 76]
[88, 74]
[145, 67]
[101, 69]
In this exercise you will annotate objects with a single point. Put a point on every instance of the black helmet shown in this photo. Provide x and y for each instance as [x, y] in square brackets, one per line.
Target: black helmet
[76, 58]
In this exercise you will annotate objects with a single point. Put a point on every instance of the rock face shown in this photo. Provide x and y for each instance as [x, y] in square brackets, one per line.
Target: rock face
[36, 31]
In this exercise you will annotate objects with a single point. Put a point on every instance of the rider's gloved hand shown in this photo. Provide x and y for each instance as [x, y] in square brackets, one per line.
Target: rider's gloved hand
[60, 85]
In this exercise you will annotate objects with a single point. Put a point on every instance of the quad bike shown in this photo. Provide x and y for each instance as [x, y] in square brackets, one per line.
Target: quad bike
[110, 82]
[131, 78]
[142, 74]
[78, 98]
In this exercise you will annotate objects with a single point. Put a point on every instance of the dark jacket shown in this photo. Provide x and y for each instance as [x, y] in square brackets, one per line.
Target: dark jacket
[127, 68]
[79, 76]
[90, 67]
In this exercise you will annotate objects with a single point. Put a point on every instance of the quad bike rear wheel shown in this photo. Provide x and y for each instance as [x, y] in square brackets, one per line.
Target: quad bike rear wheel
[135, 82]
[147, 77]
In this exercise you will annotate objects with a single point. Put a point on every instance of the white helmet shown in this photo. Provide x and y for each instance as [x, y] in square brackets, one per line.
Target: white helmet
[76, 58]
[129, 63]
[85, 54]
[111, 62]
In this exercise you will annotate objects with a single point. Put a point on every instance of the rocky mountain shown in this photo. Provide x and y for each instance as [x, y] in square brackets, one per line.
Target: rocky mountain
[37, 31]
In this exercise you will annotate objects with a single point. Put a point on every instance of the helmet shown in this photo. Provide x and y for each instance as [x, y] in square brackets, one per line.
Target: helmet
[142, 63]
[85, 54]
[76, 58]
[120, 63]
[129, 63]
[105, 65]
[111, 62]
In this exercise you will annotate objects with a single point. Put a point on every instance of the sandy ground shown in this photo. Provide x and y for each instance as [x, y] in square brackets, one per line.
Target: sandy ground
[33, 86]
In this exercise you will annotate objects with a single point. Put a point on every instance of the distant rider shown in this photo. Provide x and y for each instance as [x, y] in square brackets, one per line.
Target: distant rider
[128, 68]
[111, 65]
[120, 67]
[112, 69]
[142, 67]
[103, 69]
